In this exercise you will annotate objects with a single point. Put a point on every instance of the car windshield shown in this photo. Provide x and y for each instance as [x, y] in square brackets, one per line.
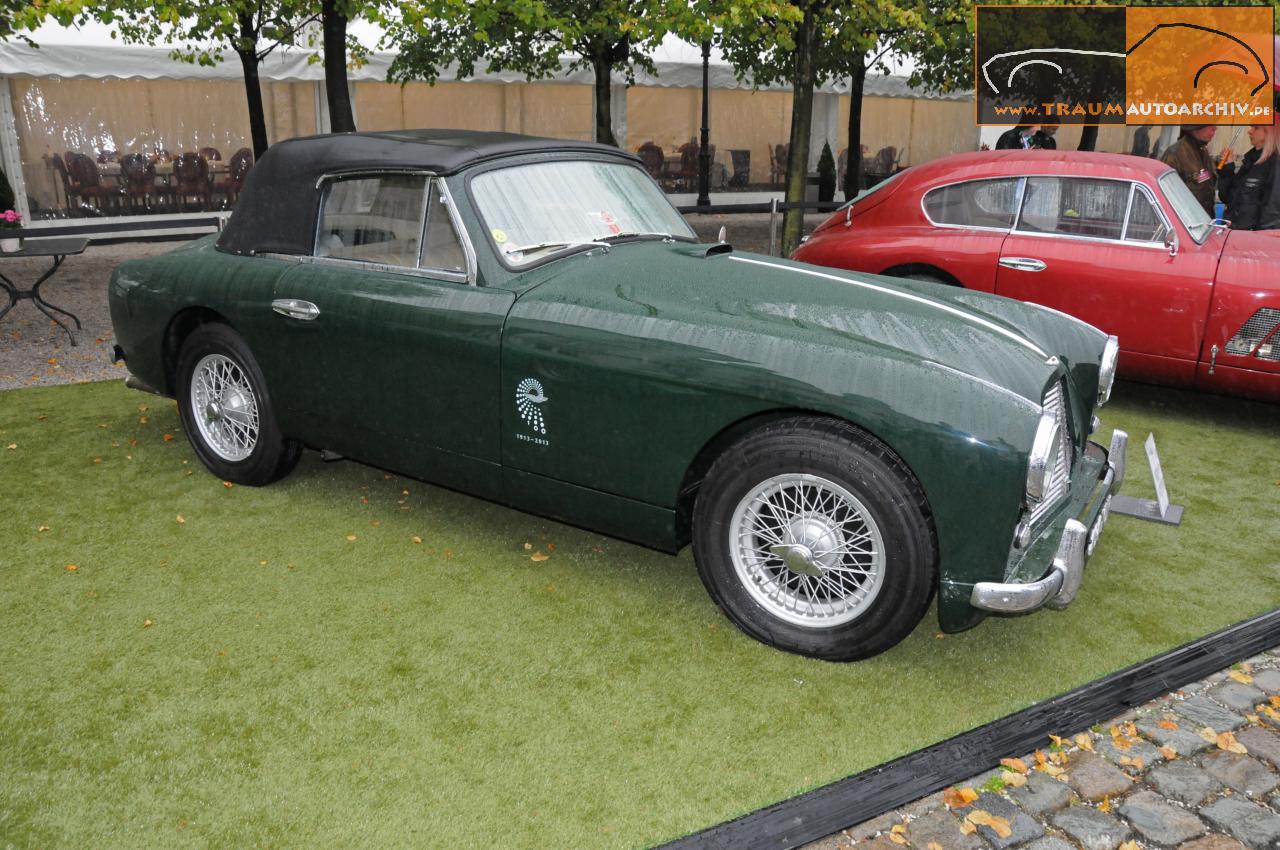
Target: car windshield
[532, 211]
[1193, 216]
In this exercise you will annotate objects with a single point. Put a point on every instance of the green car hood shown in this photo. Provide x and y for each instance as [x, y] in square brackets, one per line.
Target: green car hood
[745, 301]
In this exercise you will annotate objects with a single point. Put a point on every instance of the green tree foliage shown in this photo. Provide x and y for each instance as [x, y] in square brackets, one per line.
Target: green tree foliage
[528, 36]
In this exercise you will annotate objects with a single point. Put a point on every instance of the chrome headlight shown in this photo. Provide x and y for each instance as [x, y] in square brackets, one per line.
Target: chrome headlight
[1107, 369]
[1044, 456]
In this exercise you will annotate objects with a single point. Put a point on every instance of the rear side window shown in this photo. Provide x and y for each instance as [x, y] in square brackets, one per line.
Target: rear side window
[980, 203]
[374, 219]
[1074, 206]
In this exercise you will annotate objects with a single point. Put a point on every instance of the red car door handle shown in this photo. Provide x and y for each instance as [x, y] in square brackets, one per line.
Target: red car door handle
[1023, 264]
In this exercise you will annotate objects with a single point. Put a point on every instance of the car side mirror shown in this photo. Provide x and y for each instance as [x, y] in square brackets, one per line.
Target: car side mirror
[1171, 243]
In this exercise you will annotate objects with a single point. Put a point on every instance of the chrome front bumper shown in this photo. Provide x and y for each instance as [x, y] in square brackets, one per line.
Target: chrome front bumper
[1061, 583]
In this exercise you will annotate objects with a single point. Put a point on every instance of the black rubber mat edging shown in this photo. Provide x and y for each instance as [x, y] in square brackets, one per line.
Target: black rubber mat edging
[850, 801]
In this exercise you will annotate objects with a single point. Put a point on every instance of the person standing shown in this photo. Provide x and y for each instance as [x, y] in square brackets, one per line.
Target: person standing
[1252, 192]
[1189, 156]
[1018, 137]
[1043, 137]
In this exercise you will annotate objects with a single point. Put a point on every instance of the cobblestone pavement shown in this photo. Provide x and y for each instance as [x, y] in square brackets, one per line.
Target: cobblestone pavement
[1152, 777]
[1197, 769]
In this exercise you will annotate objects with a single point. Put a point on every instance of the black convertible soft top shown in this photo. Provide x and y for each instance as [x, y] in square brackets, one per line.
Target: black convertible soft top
[277, 208]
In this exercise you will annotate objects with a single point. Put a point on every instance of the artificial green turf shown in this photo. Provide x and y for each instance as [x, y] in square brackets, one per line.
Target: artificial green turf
[457, 693]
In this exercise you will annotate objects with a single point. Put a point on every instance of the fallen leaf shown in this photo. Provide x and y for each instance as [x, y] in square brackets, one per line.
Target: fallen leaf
[998, 825]
[1122, 743]
[1135, 762]
[146, 624]
[1051, 769]
[958, 798]
[1128, 845]
[133, 441]
[933, 845]
[52, 361]
[539, 556]
[1105, 805]
[528, 546]
[142, 408]
[142, 420]
[416, 539]
[1276, 701]
[1084, 742]
[364, 500]
[71, 568]
[898, 829]
[1055, 740]
[1209, 734]
[12, 446]
[1227, 741]
[227, 484]
[1016, 765]
[551, 547]
[967, 828]
[43, 528]
[1168, 752]
[375, 523]
[1242, 678]
[180, 519]
[1253, 718]
[262, 563]
[897, 838]
[1167, 724]
[351, 537]
[1014, 780]
[168, 438]
[1131, 729]
[1040, 758]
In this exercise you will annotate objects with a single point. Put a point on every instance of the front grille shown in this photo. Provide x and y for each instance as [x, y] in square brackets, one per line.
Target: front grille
[1255, 330]
[1055, 404]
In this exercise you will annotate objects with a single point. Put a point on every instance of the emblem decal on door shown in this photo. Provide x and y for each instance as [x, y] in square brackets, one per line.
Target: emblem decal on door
[529, 400]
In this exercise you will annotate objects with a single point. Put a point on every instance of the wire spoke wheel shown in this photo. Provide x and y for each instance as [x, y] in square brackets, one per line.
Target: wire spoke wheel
[807, 550]
[225, 407]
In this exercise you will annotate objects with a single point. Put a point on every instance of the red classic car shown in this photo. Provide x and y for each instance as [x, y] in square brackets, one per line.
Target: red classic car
[1115, 240]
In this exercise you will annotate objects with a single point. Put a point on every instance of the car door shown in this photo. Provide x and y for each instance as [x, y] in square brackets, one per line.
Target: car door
[970, 221]
[392, 348]
[1095, 249]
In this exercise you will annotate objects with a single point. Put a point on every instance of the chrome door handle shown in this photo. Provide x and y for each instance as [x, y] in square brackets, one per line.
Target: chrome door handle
[1023, 264]
[295, 309]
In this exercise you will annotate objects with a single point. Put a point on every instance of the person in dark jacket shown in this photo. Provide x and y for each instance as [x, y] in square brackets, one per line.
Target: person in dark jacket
[1043, 137]
[1248, 189]
[1018, 137]
[1189, 156]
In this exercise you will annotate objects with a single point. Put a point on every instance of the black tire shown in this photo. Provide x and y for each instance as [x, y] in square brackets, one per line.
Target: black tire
[926, 276]
[868, 615]
[229, 419]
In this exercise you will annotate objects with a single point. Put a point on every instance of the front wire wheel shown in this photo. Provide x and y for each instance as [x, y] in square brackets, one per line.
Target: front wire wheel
[225, 407]
[814, 537]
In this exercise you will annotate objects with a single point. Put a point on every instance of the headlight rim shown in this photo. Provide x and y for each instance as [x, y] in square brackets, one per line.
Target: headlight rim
[1040, 459]
[1107, 369]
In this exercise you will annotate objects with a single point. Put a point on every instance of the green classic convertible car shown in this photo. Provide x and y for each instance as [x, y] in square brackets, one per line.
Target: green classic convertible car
[529, 320]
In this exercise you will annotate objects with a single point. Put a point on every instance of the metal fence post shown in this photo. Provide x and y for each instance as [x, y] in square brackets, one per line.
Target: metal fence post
[773, 228]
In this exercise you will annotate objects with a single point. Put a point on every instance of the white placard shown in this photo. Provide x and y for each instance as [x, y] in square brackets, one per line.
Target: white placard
[1157, 474]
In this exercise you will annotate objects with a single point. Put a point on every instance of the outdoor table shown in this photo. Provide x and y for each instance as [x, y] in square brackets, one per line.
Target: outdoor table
[59, 248]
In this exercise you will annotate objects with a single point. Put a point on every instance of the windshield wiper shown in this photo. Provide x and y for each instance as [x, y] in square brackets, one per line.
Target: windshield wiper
[542, 246]
[638, 234]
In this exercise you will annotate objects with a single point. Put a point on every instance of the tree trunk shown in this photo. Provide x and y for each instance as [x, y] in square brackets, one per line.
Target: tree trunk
[853, 168]
[334, 24]
[801, 126]
[1088, 138]
[603, 69]
[252, 86]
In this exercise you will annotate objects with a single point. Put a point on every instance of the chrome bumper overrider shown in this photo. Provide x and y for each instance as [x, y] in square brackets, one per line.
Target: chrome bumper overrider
[1061, 583]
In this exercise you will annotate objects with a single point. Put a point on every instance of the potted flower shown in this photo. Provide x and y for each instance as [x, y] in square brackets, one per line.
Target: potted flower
[10, 231]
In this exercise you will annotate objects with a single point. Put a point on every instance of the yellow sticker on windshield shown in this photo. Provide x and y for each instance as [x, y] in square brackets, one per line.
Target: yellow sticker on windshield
[499, 235]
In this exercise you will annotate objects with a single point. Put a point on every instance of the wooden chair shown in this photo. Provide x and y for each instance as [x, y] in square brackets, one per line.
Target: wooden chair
[108, 156]
[85, 187]
[229, 187]
[191, 182]
[138, 180]
[211, 154]
[778, 163]
[687, 177]
[653, 159]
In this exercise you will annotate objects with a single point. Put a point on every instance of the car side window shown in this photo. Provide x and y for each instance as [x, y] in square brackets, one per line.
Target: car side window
[1074, 206]
[1145, 223]
[373, 219]
[442, 249]
[980, 203]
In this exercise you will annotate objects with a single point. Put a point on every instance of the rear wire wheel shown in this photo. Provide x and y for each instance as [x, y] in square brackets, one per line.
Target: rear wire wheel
[815, 538]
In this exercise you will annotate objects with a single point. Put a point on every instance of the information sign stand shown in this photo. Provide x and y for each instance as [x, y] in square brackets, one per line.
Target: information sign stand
[1157, 511]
